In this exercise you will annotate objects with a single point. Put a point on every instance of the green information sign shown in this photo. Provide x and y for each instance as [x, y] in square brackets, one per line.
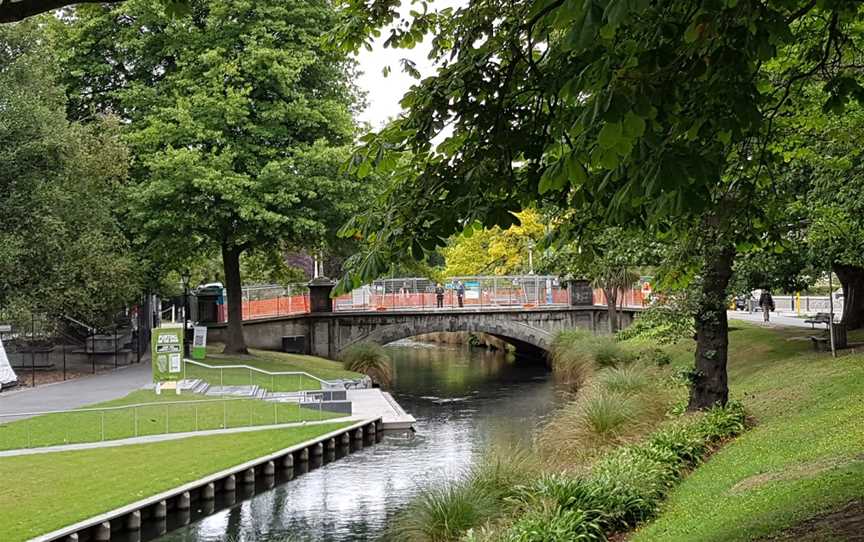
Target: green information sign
[167, 354]
[199, 342]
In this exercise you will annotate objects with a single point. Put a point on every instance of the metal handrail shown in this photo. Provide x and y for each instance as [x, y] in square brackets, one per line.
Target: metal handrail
[121, 407]
[256, 369]
[29, 417]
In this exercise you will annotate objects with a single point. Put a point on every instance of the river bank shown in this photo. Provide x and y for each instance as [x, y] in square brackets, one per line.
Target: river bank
[796, 473]
[124, 453]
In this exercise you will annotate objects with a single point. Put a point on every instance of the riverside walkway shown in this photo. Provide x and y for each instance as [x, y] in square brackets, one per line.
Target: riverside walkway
[77, 393]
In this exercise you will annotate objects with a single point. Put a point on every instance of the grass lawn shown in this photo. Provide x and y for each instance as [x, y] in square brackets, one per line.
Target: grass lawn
[76, 427]
[269, 361]
[44, 492]
[804, 457]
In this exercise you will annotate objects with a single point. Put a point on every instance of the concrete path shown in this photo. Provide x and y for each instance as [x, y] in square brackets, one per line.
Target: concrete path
[170, 436]
[78, 392]
[777, 319]
[374, 403]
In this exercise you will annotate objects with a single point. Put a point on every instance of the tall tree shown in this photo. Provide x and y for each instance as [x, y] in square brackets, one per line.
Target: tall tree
[481, 251]
[824, 182]
[62, 247]
[237, 113]
[647, 112]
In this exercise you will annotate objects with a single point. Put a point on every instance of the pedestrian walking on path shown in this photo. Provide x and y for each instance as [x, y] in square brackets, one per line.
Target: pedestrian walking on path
[460, 293]
[439, 295]
[767, 304]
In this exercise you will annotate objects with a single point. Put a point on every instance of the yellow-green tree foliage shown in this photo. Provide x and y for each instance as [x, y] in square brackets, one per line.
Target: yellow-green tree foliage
[494, 251]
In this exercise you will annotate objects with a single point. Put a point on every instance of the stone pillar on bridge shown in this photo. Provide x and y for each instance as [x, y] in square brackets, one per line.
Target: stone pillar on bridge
[319, 295]
[581, 293]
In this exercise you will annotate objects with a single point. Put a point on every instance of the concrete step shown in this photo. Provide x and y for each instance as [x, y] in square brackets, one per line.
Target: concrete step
[232, 391]
[283, 397]
[201, 387]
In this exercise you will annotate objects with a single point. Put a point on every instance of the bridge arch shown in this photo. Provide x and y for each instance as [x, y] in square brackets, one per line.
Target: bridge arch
[528, 340]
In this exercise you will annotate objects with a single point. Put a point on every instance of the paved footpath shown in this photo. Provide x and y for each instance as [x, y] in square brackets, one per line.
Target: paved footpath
[173, 436]
[78, 392]
[777, 319]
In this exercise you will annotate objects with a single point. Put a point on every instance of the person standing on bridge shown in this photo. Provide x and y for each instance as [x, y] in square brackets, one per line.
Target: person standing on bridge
[439, 295]
[460, 293]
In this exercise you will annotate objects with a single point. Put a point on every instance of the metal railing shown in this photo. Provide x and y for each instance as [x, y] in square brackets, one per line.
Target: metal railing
[478, 292]
[87, 425]
[418, 293]
[246, 375]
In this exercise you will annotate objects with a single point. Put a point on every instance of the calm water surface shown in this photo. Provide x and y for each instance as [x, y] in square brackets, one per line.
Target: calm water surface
[462, 399]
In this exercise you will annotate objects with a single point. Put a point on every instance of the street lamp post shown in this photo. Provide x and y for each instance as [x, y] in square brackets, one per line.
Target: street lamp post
[185, 277]
[530, 257]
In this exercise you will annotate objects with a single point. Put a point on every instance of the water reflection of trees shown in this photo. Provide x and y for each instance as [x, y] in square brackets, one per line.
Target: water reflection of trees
[452, 371]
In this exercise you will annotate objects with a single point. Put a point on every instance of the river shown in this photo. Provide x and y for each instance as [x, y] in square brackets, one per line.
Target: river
[463, 400]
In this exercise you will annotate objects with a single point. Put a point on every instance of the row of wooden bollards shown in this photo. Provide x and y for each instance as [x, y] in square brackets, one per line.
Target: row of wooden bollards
[242, 484]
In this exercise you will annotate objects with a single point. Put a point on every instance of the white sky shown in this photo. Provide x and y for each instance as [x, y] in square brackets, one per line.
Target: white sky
[384, 93]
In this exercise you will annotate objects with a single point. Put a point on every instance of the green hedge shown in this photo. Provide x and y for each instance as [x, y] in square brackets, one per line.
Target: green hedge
[624, 488]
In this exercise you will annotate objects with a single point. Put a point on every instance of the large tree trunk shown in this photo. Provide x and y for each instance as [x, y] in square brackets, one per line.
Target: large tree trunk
[612, 309]
[852, 279]
[710, 386]
[235, 342]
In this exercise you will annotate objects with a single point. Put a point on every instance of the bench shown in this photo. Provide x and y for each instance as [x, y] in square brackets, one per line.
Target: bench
[820, 318]
[821, 344]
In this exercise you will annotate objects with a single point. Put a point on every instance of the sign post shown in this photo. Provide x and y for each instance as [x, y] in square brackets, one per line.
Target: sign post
[167, 354]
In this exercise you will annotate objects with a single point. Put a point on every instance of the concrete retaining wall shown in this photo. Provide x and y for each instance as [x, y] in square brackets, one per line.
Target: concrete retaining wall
[236, 483]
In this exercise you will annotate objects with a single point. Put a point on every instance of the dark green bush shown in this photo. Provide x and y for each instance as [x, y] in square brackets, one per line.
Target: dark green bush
[555, 525]
[654, 356]
[624, 488]
[660, 324]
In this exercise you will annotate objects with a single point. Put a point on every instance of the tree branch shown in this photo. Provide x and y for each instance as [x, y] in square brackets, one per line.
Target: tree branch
[16, 10]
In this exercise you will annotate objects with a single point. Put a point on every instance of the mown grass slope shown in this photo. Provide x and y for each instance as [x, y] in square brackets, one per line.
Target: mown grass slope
[44, 492]
[804, 457]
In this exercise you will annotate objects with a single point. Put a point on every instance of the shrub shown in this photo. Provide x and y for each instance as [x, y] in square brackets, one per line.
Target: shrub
[664, 324]
[370, 359]
[654, 356]
[632, 485]
[627, 486]
[554, 524]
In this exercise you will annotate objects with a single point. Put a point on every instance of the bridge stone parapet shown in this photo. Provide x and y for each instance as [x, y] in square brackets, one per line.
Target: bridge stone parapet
[327, 334]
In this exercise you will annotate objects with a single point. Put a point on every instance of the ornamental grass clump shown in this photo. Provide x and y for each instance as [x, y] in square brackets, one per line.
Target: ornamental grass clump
[370, 359]
[443, 512]
[617, 408]
[447, 510]
[627, 380]
[608, 352]
[572, 358]
[576, 355]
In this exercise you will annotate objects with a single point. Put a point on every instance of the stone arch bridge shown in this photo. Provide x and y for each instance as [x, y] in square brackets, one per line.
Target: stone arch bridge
[326, 334]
